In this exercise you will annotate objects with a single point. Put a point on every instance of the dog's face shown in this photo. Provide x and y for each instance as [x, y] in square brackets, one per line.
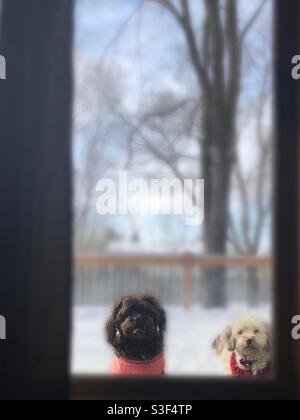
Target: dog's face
[136, 328]
[249, 336]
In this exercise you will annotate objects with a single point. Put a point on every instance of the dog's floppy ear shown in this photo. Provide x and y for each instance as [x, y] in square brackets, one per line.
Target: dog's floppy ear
[111, 325]
[217, 345]
[225, 340]
[268, 346]
[162, 320]
[162, 317]
[229, 339]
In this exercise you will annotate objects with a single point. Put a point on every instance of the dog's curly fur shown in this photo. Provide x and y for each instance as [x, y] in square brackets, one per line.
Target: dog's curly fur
[248, 337]
[136, 328]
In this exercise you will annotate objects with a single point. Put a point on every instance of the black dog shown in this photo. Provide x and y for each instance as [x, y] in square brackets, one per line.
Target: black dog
[136, 330]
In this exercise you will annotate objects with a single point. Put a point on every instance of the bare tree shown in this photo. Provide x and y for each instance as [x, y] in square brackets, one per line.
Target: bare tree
[165, 129]
[254, 191]
[205, 124]
[96, 87]
[217, 64]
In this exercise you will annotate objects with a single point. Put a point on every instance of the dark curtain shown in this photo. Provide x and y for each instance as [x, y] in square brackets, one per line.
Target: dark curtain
[35, 203]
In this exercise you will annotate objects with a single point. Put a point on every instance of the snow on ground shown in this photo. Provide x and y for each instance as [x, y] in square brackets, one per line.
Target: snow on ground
[188, 341]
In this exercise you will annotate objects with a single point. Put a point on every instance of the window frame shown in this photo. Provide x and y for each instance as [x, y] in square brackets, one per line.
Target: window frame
[285, 384]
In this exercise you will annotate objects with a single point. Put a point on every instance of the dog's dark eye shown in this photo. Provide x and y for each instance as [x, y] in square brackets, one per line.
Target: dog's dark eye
[256, 332]
[241, 332]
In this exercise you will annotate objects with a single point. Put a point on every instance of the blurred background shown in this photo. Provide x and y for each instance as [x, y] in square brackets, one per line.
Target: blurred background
[173, 89]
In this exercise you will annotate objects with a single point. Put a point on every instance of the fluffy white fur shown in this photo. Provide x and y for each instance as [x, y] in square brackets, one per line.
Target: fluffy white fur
[249, 338]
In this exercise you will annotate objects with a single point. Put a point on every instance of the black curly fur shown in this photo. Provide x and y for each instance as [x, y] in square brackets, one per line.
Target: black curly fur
[136, 328]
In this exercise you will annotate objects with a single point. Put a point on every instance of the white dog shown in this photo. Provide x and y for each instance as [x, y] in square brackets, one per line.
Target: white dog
[245, 347]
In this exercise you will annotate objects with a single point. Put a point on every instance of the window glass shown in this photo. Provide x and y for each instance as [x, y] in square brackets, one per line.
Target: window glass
[173, 141]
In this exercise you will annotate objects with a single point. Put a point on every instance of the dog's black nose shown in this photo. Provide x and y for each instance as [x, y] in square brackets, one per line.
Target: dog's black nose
[137, 320]
[249, 342]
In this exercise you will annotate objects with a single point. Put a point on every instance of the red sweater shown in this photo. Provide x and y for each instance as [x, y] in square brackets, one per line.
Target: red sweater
[155, 367]
[237, 371]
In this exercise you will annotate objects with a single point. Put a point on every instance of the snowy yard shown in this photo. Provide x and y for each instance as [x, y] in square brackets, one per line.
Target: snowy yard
[188, 341]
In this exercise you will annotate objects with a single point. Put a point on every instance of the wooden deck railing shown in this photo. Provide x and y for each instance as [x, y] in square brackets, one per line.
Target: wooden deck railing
[186, 261]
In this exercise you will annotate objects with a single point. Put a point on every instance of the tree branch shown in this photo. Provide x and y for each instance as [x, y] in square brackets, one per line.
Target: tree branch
[244, 193]
[217, 49]
[167, 4]
[186, 24]
[235, 57]
[234, 238]
[252, 19]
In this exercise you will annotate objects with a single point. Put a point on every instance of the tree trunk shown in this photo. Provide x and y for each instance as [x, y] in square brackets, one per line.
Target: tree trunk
[217, 168]
[218, 69]
[218, 147]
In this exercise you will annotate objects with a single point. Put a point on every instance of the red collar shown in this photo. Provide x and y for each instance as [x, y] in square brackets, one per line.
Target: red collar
[155, 367]
[237, 371]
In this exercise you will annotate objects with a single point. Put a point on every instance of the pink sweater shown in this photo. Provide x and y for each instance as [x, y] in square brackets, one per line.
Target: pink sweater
[155, 367]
